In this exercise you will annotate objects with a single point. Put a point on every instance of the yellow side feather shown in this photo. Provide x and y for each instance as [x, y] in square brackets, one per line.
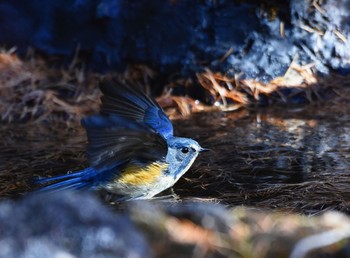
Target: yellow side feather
[135, 175]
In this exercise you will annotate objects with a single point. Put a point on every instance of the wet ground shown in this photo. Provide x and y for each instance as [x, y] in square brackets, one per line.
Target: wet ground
[291, 159]
[295, 159]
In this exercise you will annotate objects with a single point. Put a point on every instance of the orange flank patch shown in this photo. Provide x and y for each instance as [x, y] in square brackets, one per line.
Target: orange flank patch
[135, 175]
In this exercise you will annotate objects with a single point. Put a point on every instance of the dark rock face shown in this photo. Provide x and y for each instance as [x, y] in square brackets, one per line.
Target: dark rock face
[322, 35]
[184, 35]
[66, 224]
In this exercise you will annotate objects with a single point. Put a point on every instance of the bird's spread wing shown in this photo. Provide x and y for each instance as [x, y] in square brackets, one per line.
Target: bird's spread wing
[128, 101]
[116, 141]
[129, 135]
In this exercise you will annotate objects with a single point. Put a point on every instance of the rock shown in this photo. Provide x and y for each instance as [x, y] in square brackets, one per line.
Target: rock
[66, 225]
[184, 35]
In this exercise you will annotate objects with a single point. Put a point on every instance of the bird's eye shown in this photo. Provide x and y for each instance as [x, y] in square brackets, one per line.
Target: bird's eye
[185, 150]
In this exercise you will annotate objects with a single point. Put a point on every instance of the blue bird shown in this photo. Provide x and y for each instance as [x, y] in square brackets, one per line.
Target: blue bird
[131, 149]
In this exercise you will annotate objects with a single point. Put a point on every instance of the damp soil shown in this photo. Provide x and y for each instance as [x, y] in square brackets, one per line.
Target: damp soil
[294, 159]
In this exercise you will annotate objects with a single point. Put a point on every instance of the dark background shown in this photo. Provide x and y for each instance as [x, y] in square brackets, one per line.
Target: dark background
[183, 35]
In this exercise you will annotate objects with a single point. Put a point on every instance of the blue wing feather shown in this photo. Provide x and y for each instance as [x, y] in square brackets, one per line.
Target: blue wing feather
[126, 100]
[156, 119]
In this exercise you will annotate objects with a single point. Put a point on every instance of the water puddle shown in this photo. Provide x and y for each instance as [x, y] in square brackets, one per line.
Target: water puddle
[295, 159]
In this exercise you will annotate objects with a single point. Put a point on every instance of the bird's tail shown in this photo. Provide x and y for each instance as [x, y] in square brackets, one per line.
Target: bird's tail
[72, 181]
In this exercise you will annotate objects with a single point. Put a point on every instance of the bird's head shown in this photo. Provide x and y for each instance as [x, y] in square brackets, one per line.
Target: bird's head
[182, 152]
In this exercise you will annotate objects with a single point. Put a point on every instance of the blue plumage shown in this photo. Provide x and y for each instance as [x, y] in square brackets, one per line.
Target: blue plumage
[156, 119]
[69, 181]
[130, 102]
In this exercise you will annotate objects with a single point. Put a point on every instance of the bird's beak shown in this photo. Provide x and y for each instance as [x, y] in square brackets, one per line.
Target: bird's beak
[203, 149]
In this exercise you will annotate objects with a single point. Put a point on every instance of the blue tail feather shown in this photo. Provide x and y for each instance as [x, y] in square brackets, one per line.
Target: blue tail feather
[56, 188]
[76, 180]
[62, 177]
